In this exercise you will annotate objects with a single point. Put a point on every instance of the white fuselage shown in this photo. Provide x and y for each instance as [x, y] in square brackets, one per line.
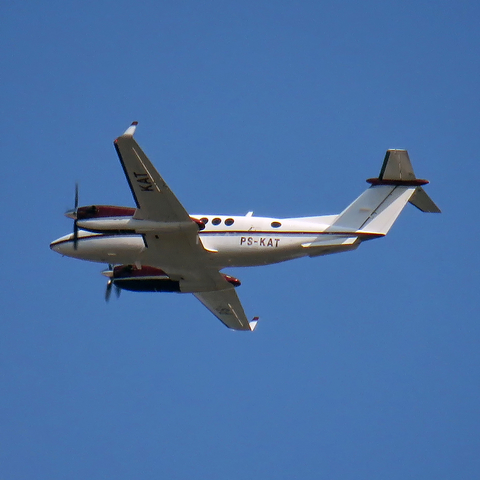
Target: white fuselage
[232, 240]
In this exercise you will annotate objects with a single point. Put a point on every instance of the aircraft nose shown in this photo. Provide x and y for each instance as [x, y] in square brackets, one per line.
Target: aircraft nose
[55, 246]
[60, 245]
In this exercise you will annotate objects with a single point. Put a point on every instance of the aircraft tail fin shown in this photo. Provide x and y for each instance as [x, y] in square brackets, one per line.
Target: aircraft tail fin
[376, 209]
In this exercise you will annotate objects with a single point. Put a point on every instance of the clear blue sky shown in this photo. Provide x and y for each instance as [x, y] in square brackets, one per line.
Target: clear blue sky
[365, 364]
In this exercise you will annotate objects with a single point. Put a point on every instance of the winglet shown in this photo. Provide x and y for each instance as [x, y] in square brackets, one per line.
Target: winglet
[130, 130]
[253, 323]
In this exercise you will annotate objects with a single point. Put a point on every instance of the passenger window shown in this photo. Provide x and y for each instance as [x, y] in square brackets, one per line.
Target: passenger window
[229, 221]
[276, 224]
[216, 221]
[204, 220]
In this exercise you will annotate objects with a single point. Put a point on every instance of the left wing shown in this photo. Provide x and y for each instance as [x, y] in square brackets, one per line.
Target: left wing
[155, 201]
[226, 306]
[178, 248]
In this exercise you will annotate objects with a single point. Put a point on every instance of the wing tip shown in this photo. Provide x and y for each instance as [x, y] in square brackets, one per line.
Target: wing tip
[130, 130]
[253, 323]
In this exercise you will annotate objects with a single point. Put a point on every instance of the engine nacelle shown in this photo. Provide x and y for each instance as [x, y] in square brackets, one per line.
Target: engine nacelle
[144, 279]
[150, 279]
[104, 211]
[103, 218]
[234, 281]
[119, 220]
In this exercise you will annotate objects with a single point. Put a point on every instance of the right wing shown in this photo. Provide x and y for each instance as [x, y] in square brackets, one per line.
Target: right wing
[226, 306]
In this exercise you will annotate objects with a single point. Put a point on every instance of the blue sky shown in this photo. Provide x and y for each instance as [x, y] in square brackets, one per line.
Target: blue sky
[365, 364]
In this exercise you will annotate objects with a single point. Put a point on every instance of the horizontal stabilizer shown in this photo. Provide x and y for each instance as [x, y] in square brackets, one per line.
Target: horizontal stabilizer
[397, 166]
[397, 170]
[423, 202]
[331, 241]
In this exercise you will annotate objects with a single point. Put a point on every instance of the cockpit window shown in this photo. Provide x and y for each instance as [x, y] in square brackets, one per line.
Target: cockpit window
[229, 221]
[276, 224]
[216, 221]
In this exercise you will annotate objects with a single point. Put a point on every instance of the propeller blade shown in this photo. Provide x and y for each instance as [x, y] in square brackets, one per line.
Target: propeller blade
[76, 196]
[109, 274]
[75, 226]
[108, 291]
[75, 235]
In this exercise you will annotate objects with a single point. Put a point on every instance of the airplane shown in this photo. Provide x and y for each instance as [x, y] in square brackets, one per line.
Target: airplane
[159, 247]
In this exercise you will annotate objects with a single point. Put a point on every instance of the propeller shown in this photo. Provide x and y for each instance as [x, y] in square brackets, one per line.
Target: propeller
[75, 226]
[108, 292]
[73, 214]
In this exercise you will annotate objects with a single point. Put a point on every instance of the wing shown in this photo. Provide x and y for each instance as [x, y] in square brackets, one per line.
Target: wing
[154, 199]
[226, 306]
[184, 260]
[179, 253]
[188, 263]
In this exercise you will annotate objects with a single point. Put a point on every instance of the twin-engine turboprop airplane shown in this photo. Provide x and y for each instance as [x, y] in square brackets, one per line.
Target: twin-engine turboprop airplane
[159, 247]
